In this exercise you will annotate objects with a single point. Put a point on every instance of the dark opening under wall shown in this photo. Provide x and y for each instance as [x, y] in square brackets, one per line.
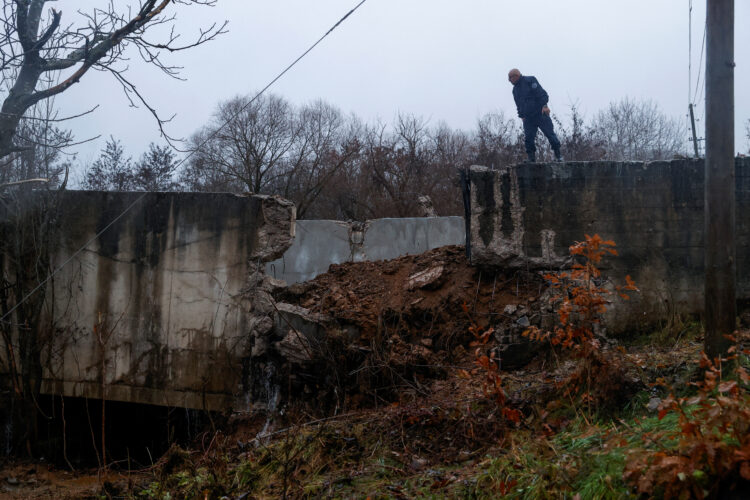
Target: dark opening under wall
[136, 435]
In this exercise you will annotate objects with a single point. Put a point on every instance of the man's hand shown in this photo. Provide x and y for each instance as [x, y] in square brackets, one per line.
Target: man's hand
[545, 110]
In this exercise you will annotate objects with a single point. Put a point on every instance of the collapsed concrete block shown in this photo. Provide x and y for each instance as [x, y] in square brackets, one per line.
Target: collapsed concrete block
[301, 332]
[275, 229]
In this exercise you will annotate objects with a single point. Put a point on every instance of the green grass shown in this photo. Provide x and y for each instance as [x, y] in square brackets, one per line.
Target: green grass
[586, 459]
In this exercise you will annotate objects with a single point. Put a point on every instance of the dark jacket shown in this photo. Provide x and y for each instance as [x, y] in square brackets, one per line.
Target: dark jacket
[529, 97]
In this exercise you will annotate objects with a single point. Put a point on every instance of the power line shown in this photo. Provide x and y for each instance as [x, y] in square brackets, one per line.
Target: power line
[700, 65]
[688, 121]
[245, 106]
[139, 198]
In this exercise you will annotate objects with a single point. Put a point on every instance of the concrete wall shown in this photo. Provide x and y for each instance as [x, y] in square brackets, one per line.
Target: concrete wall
[530, 214]
[153, 310]
[320, 243]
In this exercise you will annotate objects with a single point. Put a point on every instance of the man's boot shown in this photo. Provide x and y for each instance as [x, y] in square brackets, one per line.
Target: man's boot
[532, 158]
[558, 156]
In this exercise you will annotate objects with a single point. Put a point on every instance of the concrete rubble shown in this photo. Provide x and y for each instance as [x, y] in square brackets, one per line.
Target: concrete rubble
[429, 278]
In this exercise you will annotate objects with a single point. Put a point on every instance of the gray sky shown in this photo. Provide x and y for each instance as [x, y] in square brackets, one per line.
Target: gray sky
[444, 60]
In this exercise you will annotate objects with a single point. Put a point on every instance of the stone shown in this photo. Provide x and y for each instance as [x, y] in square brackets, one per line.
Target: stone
[653, 404]
[429, 278]
[300, 331]
[294, 347]
[523, 321]
[510, 309]
[260, 325]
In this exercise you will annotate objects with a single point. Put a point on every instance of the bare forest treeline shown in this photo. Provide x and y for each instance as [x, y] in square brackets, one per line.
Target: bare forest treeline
[335, 166]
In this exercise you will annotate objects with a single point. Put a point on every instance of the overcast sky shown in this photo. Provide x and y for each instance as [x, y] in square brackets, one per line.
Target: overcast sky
[444, 60]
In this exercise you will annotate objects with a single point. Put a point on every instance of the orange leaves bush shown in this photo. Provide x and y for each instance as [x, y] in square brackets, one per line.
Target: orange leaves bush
[582, 299]
[712, 455]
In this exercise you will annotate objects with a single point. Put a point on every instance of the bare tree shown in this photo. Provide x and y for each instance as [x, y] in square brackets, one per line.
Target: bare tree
[497, 141]
[248, 142]
[397, 162]
[266, 145]
[201, 173]
[451, 150]
[747, 134]
[40, 157]
[29, 221]
[580, 142]
[324, 143]
[638, 131]
[35, 46]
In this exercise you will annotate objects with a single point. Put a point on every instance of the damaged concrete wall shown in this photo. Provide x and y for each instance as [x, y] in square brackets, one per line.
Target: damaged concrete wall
[155, 310]
[320, 243]
[529, 214]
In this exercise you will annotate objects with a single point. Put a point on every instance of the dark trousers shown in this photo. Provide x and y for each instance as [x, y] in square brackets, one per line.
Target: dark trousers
[530, 126]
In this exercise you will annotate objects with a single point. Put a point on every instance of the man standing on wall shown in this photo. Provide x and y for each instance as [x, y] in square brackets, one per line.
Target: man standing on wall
[531, 102]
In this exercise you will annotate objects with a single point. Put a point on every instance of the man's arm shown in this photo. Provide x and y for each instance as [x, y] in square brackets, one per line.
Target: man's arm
[540, 95]
[518, 104]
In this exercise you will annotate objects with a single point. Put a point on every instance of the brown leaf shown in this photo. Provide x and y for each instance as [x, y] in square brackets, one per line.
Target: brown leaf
[727, 386]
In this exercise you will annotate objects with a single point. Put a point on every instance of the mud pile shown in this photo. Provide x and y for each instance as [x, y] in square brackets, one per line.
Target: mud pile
[395, 325]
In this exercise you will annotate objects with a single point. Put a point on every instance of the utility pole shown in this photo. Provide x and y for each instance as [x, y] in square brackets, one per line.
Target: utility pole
[721, 308]
[695, 136]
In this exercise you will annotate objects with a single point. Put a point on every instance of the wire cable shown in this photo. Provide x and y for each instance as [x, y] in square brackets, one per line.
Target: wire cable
[247, 104]
[700, 66]
[139, 198]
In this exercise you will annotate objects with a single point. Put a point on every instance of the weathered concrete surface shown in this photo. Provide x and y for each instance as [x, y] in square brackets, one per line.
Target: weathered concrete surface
[320, 243]
[528, 215]
[155, 310]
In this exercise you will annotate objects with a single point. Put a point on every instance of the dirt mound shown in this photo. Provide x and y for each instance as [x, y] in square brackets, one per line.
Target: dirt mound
[404, 323]
[420, 298]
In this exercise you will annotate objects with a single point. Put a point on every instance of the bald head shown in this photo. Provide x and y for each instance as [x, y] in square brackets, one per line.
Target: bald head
[514, 75]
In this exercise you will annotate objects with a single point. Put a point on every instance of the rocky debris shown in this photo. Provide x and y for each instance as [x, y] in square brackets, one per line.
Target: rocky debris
[363, 327]
[429, 278]
[274, 231]
[262, 307]
[301, 332]
[272, 236]
[408, 318]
